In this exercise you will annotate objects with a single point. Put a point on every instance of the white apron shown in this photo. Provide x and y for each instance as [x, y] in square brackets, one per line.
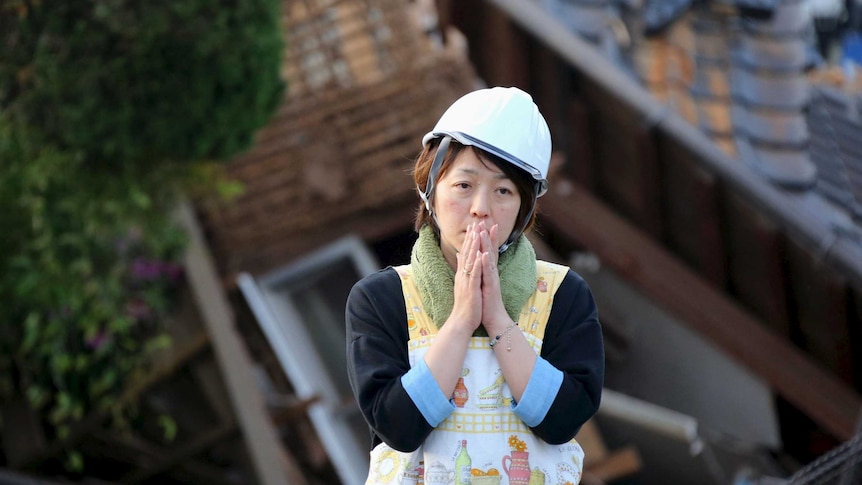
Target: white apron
[482, 442]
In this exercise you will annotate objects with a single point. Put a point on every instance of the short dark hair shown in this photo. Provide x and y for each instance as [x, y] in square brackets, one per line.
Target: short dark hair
[524, 183]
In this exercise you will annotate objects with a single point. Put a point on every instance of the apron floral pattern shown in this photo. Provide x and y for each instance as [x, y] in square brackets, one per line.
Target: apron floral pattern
[483, 442]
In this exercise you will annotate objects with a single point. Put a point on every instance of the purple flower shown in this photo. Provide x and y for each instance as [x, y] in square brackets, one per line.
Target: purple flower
[138, 309]
[145, 269]
[96, 341]
[173, 271]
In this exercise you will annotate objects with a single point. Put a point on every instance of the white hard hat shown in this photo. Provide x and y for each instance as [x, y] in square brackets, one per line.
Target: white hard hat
[502, 121]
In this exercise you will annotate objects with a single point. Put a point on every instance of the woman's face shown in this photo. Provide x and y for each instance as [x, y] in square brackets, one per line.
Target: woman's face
[472, 191]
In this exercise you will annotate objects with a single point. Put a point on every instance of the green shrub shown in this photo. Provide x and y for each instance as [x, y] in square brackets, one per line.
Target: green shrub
[110, 111]
[89, 262]
[128, 81]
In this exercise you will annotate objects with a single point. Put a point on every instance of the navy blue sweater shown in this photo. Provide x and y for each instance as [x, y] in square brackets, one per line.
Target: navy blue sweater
[377, 358]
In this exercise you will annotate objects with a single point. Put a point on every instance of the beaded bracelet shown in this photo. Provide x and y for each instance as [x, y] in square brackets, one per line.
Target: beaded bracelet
[508, 334]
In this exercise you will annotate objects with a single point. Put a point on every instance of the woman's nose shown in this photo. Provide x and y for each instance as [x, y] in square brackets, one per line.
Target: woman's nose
[481, 204]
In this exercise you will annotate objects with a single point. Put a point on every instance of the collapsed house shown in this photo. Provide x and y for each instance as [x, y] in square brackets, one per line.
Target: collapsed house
[693, 186]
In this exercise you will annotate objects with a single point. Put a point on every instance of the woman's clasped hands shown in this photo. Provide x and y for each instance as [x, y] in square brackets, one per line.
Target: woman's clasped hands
[478, 300]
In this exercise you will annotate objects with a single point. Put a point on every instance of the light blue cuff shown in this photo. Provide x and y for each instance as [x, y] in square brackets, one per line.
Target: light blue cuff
[426, 394]
[540, 393]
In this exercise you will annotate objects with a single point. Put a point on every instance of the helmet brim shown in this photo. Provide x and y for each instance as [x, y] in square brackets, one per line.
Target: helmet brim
[466, 139]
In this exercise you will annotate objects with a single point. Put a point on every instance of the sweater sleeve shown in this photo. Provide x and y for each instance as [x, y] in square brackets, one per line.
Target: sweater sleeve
[377, 358]
[573, 344]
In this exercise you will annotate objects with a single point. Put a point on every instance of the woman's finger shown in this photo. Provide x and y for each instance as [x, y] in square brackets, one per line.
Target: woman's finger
[487, 245]
[470, 242]
[492, 235]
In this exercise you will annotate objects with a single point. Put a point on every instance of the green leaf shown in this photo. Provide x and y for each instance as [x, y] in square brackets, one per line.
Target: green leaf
[230, 190]
[169, 427]
[105, 382]
[160, 342]
[140, 199]
[120, 325]
[37, 396]
[27, 283]
[81, 362]
[81, 267]
[74, 461]
[31, 332]
[61, 363]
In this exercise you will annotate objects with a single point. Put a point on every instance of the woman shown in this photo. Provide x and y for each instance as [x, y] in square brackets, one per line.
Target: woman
[476, 363]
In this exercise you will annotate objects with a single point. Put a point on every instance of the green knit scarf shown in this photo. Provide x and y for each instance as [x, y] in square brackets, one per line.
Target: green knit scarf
[436, 279]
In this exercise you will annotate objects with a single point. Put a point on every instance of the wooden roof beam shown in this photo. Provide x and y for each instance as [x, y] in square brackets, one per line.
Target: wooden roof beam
[270, 463]
[582, 218]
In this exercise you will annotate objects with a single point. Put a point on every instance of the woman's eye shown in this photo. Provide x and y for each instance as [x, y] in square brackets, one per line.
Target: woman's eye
[462, 185]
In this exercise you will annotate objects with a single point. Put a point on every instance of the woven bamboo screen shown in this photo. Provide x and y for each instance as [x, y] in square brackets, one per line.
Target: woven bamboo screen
[365, 83]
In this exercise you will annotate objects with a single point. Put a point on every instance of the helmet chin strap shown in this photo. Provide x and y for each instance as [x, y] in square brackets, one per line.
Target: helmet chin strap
[517, 233]
[432, 174]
